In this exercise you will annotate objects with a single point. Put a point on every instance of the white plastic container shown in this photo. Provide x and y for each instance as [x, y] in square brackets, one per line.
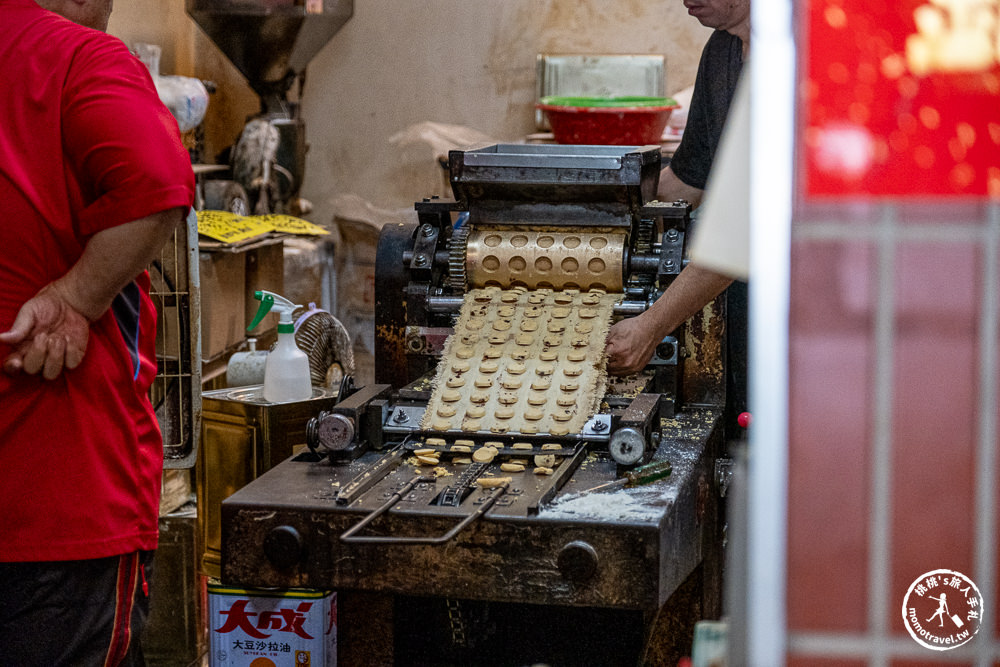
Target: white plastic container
[286, 372]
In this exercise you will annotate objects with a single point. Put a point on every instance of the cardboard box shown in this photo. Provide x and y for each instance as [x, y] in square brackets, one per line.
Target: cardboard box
[223, 299]
[175, 489]
[271, 628]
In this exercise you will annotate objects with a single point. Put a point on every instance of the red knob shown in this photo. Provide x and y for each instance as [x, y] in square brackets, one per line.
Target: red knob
[744, 419]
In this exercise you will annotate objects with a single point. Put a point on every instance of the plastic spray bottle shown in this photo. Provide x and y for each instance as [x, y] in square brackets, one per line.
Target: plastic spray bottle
[286, 372]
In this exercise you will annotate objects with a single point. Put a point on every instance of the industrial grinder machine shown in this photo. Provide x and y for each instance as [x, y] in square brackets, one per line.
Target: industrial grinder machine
[493, 466]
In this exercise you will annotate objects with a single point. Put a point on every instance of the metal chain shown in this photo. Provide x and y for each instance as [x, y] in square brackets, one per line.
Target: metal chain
[457, 623]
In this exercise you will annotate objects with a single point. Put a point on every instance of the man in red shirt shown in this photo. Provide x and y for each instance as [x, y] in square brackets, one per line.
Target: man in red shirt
[93, 180]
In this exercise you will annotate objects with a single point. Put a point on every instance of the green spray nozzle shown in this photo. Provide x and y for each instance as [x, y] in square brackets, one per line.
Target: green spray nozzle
[270, 301]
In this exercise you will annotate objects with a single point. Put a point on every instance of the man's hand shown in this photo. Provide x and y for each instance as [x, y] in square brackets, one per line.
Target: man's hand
[630, 345]
[48, 335]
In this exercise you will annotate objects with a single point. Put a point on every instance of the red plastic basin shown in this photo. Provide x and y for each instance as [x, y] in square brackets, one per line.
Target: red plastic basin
[622, 121]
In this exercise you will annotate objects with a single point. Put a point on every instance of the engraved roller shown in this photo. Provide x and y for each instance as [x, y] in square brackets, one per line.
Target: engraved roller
[536, 259]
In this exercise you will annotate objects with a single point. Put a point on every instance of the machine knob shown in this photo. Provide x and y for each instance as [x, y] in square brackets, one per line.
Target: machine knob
[335, 432]
[577, 561]
[284, 547]
[627, 446]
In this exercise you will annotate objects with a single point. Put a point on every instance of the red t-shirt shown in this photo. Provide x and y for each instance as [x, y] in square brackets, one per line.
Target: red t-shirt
[85, 145]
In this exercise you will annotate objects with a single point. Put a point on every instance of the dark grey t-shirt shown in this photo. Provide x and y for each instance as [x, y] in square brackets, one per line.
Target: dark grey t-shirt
[714, 86]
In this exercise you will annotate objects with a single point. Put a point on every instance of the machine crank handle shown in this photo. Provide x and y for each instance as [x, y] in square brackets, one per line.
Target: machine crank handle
[350, 536]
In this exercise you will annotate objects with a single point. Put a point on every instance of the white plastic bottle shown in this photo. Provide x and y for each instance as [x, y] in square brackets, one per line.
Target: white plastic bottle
[286, 372]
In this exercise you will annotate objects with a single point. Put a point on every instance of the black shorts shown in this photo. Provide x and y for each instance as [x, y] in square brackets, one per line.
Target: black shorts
[83, 612]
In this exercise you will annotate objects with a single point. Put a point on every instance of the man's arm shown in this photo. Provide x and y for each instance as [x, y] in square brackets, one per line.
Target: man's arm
[51, 329]
[632, 341]
[671, 188]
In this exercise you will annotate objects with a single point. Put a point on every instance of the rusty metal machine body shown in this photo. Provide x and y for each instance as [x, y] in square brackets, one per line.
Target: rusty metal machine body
[382, 503]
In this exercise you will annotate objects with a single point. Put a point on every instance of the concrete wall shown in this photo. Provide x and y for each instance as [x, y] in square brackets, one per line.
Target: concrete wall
[398, 63]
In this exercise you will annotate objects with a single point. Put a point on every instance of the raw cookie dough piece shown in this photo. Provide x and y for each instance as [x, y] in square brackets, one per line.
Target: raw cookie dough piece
[493, 353]
[529, 325]
[483, 382]
[455, 382]
[465, 443]
[558, 430]
[534, 399]
[541, 384]
[516, 368]
[464, 352]
[434, 442]
[450, 395]
[576, 355]
[471, 425]
[460, 367]
[441, 424]
[461, 449]
[566, 402]
[462, 461]
[545, 460]
[488, 367]
[529, 429]
[521, 445]
[543, 471]
[569, 386]
[548, 355]
[551, 446]
[504, 413]
[533, 414]
[446, 411]
[491, 482]
[475, 411]
[511, 467]
[484, 455]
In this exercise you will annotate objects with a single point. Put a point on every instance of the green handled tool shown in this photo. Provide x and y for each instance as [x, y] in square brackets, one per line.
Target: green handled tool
[639, 476]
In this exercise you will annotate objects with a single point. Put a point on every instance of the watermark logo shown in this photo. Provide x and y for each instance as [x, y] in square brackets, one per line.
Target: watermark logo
[942, 610]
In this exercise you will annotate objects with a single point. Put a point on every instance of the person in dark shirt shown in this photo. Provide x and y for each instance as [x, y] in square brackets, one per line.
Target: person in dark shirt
[632, 341]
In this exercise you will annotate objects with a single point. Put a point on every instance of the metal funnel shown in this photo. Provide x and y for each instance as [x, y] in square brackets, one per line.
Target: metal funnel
[270, 41]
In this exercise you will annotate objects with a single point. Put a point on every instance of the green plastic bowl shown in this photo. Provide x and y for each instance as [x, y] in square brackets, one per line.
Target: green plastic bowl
[615, 102]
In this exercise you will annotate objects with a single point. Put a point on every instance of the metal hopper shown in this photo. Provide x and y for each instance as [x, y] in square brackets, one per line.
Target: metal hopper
[270, 41]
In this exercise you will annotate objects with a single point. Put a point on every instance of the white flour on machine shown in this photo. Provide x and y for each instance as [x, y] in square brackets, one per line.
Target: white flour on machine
[491, 405]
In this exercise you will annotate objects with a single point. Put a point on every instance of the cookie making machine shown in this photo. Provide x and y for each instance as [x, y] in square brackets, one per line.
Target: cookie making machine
[389, 501]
